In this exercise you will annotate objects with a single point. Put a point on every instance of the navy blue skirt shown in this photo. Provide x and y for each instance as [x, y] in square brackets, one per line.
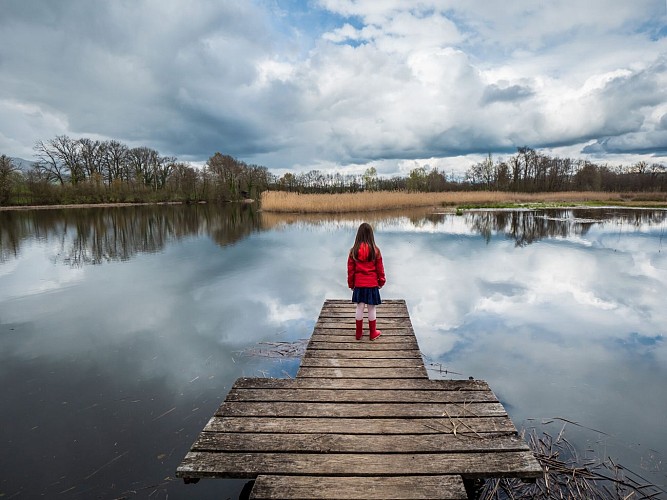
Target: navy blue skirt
[367, 296]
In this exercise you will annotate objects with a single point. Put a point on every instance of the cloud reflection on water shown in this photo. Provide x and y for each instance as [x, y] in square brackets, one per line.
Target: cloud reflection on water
[572, 325]
[564, 315]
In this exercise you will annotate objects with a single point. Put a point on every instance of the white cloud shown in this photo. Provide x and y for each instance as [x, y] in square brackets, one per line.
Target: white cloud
[364, 82]
[23, 120]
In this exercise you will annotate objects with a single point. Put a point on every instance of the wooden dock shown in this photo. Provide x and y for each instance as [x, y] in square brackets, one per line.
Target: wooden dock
[361, 420]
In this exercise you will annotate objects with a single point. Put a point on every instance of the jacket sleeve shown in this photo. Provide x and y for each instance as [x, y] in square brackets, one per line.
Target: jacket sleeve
[379, 269]
[350, 272]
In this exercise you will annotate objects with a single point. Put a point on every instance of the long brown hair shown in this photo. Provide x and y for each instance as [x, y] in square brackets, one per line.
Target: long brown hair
[364, 235]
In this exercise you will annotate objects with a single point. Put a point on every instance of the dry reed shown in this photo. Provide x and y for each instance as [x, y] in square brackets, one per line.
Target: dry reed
[567, 476]
[285, 202]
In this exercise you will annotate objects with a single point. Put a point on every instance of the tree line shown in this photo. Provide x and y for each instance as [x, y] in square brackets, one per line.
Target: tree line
[68, 170]
[527, 171]
[531, 171]
[83, 170]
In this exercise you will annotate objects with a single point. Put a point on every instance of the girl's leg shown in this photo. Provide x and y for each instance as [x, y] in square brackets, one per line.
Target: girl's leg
[359, 314]
[372, 322]
[359, 317]
[372, 313]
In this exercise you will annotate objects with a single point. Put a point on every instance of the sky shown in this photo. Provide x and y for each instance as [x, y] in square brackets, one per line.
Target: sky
[339, 85]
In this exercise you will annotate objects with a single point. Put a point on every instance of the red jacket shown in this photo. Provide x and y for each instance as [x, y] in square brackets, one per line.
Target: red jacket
[365, 273]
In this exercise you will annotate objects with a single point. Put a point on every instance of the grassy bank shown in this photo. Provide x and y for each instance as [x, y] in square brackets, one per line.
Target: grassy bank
[284, 202]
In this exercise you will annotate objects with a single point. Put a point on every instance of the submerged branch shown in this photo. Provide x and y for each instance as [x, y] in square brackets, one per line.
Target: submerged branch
[277, 349]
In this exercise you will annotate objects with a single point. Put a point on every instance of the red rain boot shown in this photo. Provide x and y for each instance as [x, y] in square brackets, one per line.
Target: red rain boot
[360, 329]
[375, 333]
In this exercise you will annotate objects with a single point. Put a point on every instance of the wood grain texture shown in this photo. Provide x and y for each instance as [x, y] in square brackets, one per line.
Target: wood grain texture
[248, 465]
[383, 344]
[357, 443]
[358, 410]
[348, 335]
[350, 329]
[361, 354]
[301, 425]
[349, 488]
[360, 396]
[349, 338]
[370, 373]
[349, 321]
[382, 313]
[401, 385]
[334, 362]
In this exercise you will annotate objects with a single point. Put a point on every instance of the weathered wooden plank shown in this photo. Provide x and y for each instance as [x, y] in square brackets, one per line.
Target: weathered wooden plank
[346, 332]
[361, 354]
[361, 363]
[358, 410]
[397, 385]
[248, 465]
[365, 343]
[352, 309]
[339, 315]
[357, 443]
[351, 329]
[349, 301]
[350, 322]
[352, 305]
[336, 315]
[348, 488]
[360, 396]
[348, 336]
[310, 425]
[306, 371]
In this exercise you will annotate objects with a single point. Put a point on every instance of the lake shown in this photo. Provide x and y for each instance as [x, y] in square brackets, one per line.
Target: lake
[122, 329]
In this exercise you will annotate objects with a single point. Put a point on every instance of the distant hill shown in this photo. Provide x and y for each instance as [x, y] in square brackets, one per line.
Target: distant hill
[22, 165]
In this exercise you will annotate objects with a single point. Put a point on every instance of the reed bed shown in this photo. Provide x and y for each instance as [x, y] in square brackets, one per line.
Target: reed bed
[568, 476]
[286, 202]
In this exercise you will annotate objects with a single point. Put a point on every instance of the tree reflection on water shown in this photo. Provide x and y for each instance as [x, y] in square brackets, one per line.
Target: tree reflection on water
[98, 235]
[530, 226]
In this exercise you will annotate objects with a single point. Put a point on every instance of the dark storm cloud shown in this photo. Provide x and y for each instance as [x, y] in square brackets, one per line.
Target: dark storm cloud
[350, 82]
[647, 143]
[663, 122]
[497, 93]
[626, 98]
[158, 73]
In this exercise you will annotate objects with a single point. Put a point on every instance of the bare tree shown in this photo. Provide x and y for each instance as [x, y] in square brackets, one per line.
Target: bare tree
[115, 161]
[49, 163]
[92, 154]
[163, 168]
[8, 174]
[68, 152]
[142, 163]
[183, 181]
[226, 172]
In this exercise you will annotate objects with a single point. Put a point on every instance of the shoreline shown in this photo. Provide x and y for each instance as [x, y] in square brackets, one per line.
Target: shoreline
[606, 200]
[86, 205]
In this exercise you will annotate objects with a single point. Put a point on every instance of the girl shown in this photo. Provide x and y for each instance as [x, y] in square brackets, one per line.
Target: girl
[365, 276]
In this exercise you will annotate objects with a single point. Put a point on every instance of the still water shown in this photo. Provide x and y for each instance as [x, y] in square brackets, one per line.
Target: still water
[122, 329]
